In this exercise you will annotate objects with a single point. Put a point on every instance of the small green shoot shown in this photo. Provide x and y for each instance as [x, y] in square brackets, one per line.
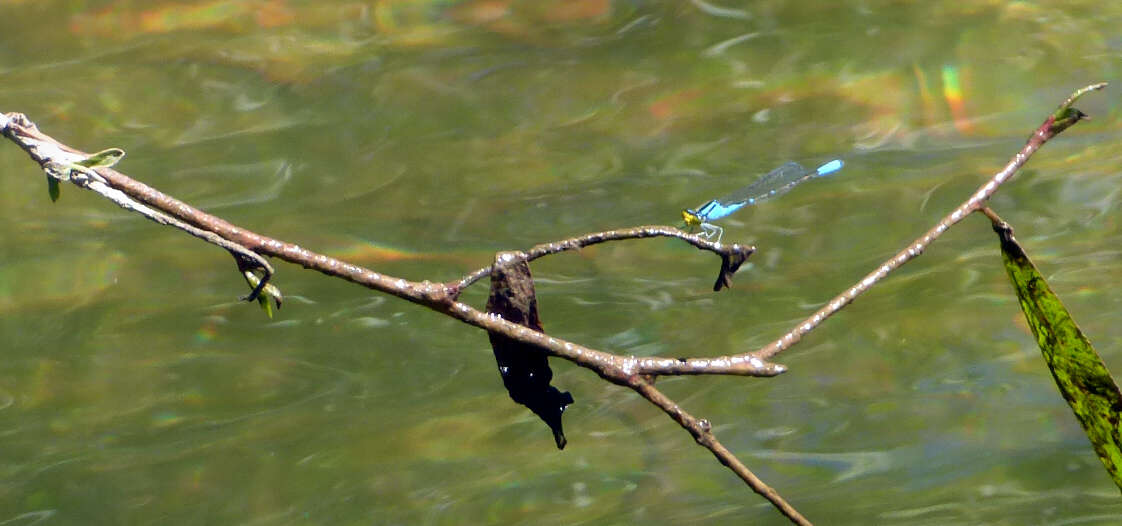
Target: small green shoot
[53, 188]
[269, 291]
[62, 171]
[103, 159]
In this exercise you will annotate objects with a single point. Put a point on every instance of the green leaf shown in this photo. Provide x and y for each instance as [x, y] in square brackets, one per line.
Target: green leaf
[268, 292]
[103, 159]
[1080, 373]
[53, 188]
[272, 292]
[263, 300]
[1065, 115]
[1064, 118]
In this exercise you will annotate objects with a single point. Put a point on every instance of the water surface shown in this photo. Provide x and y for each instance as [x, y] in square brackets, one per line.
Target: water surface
[418, 138]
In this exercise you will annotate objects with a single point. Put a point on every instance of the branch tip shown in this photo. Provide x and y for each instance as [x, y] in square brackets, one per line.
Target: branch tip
[1081, 92]
[1065, 116]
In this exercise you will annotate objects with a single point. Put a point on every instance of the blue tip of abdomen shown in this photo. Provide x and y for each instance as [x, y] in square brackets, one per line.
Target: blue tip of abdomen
[830, 167]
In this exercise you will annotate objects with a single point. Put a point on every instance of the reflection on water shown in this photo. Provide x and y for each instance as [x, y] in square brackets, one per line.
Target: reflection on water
[419, 137]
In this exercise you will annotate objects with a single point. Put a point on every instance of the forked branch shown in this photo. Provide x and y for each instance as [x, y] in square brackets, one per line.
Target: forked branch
[636, 373]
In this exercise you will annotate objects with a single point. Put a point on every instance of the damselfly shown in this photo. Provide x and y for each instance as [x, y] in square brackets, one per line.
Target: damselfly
[777, 182]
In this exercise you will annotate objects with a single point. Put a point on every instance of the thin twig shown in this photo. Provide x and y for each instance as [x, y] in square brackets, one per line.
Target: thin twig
[639, 232]
[702, 432]
[1052, 126]
[50, 154]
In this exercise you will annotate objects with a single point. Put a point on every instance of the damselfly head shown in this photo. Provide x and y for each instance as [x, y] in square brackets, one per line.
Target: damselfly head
[691, 218]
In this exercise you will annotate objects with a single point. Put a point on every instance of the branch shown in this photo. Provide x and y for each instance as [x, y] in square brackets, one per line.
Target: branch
[441, 297]
[628, 371]
[633, 372]
[732, 256]
[1058, 121]
[702, 432]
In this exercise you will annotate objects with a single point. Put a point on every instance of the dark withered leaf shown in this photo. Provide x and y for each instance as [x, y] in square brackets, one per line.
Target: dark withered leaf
[524, 369]
[730, 263]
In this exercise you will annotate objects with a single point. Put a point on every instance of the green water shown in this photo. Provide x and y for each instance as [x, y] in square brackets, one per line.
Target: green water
[418, 138]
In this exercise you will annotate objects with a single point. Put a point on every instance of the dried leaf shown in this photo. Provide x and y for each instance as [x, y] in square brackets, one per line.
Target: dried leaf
[730, 263]
[524, 368]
